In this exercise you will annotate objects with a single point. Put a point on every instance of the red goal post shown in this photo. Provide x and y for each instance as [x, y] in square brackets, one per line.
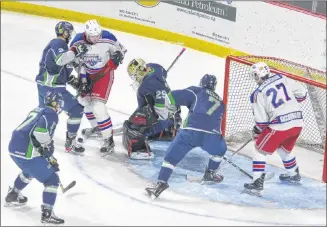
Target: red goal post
[238, 119]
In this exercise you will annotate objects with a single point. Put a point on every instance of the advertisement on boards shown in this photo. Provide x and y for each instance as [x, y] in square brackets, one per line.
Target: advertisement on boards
[211, 14]
[208, 20]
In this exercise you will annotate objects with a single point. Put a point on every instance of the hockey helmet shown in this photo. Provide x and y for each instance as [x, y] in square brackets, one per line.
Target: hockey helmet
[208, 81]
[54, 100]
[93, 31]
[66, 30]
[260, 71]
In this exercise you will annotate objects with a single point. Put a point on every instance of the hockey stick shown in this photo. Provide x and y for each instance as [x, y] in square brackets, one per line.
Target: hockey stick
[199, 179]
[178, 56]
[65, 189]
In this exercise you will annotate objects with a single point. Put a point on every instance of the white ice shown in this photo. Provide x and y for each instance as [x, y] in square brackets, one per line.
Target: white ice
[107, 192]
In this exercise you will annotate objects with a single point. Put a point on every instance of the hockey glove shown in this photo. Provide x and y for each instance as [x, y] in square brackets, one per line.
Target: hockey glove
[73, 81]
[117, 57]
[84, 89]
[256, 132]
[53, 161]
[47, 151]
[79, 50]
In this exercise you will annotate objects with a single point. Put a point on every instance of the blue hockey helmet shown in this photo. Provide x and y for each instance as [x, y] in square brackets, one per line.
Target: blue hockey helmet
[66, 30]
[208, 81]
[54, 100]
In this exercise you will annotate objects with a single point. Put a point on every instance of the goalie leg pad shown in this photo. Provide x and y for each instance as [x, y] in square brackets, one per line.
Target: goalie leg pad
[134, 142]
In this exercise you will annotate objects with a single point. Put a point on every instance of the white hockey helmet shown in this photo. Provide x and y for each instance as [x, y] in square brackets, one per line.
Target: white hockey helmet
[260, 71]
[93, 31]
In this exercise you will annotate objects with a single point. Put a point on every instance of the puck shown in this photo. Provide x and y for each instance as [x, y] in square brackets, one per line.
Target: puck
[80, 140]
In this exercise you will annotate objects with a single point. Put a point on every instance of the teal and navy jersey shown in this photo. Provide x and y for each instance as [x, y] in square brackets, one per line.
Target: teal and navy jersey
[206, 108]
[39, 126]
[154, 83]
[52, 72]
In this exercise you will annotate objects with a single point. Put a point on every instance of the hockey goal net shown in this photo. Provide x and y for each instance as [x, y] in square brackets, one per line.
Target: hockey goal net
[238, 119]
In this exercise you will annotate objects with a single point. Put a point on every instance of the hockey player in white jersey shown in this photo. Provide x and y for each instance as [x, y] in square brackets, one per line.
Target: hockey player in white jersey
[96, 77]
[279, 120]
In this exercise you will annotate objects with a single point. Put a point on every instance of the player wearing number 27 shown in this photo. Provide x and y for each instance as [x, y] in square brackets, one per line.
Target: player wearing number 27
[279, 121]
[31, 148]
[202, 128]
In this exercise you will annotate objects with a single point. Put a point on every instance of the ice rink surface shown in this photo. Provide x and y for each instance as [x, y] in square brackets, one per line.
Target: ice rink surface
[110, 191]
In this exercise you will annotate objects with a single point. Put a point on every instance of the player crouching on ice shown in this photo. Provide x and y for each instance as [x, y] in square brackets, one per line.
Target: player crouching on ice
[151, 119]
[31, 148]
[279, 121]
[96, 77]
[55, 72]
[202, 129]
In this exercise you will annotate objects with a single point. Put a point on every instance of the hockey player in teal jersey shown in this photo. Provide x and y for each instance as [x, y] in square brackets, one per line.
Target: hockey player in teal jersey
[202, 128]
[31, 147]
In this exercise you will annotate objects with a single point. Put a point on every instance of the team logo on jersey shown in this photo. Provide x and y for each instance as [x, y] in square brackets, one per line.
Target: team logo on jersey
[147, 4]
[92, 60]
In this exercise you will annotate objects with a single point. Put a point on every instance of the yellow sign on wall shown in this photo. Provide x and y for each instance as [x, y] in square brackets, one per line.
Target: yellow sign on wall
[148, 4]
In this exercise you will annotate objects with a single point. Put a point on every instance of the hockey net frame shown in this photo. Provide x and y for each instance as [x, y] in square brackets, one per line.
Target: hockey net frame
[314, 80]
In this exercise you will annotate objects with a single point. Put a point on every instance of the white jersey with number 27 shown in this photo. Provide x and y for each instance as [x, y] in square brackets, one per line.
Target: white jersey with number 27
[275, 103]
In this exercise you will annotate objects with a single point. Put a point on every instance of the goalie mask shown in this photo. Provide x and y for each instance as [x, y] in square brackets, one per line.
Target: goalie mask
[137, 69]
[260, 72]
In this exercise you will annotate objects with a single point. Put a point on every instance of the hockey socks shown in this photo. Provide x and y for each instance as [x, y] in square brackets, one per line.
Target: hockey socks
[21, 182]
[105, 127]
[214, 162]
[90, 116]
[73, 125]
[165, 171]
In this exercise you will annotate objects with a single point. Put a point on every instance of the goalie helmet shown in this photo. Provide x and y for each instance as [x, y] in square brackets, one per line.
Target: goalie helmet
[208, 81]
[54, 100]
[260, 71]
[93, 31]
[136, 70]
[66, 30]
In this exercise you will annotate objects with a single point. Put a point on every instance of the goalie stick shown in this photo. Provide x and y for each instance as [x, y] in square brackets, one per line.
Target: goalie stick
[178, 56]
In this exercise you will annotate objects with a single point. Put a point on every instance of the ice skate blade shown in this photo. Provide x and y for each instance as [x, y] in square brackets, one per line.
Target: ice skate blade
[52, 223]
[291, 182]
[107, 153]
[77, 153]
[14, 204]
[253, 192]
[150, 194]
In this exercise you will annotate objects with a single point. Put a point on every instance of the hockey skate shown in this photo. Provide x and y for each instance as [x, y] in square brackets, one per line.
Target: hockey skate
[48, 216]
[108, 146]
[291, 179]
[211, 177]
[72, 146]
[157, 189]
[256, 187]
[92, 132]
[14, 198]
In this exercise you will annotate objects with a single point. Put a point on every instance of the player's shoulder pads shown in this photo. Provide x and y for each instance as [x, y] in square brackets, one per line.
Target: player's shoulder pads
[78, 38]
[108, 35]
